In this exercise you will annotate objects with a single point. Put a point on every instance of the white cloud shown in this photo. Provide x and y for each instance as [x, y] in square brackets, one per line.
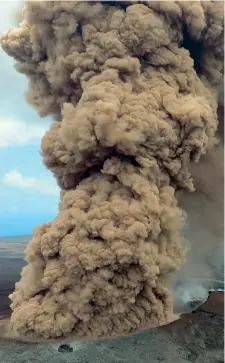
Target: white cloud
[16, 133]
[40, 185]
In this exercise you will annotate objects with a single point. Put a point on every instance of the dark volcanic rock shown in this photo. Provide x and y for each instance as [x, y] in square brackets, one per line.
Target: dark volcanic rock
[65, 348]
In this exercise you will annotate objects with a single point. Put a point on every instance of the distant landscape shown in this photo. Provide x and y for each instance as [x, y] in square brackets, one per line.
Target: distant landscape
[13, 247]
[11, 262]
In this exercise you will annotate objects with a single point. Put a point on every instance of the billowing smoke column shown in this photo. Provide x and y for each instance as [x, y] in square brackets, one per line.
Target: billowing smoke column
[131, 113]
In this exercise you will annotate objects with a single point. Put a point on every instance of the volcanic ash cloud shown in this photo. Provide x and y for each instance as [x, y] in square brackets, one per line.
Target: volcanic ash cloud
[130, 114]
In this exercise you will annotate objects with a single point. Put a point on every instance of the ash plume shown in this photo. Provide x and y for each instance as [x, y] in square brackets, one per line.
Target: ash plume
[134, 105]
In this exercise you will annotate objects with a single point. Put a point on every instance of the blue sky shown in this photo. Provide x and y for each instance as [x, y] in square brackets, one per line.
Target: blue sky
[28, 192]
